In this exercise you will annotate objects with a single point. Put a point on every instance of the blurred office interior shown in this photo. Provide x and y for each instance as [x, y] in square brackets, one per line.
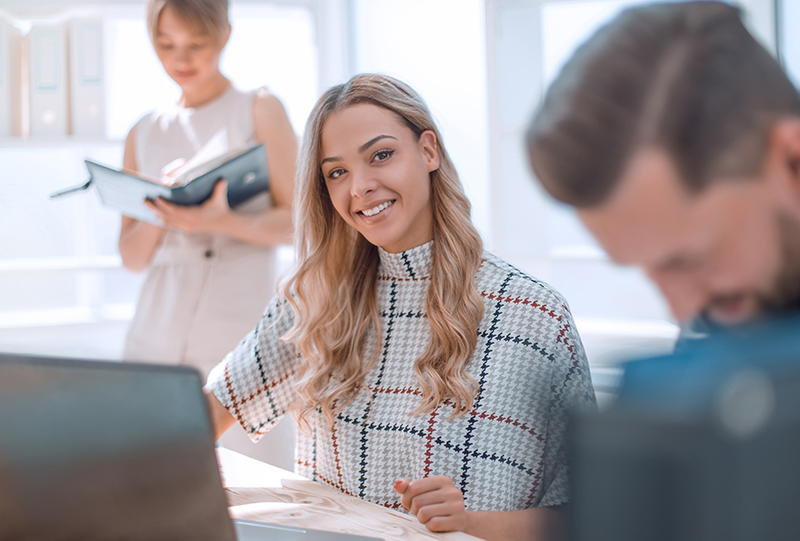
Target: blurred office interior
[482, 66]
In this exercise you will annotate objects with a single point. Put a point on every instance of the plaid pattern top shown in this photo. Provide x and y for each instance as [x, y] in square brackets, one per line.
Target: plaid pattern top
[507, 453]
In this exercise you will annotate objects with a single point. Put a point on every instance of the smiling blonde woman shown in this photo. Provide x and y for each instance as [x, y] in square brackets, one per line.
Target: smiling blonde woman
[427, 373]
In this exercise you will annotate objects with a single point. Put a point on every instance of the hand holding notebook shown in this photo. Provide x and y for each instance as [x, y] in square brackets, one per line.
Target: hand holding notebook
[190, 184]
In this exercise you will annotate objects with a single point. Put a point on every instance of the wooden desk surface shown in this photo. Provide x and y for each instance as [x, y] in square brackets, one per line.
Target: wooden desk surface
[265, 493]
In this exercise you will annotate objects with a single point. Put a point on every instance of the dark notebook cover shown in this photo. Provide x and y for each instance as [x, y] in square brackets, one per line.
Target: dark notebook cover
[246, 173]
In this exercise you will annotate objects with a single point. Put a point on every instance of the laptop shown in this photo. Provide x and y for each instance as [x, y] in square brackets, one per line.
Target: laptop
[96, 450]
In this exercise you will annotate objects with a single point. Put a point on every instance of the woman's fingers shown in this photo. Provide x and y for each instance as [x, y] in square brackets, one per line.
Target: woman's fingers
[176, 216]
[402, 485]
[162, 217]
[435, 497]
[220, 190]
[161, 204]
[450, 523]
[210, 216]
[425, 485]
[440, 515]
[162, 207]
[435, 501]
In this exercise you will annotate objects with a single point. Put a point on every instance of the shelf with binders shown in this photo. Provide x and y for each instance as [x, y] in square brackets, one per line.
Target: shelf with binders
[52, 77]
[63, 141]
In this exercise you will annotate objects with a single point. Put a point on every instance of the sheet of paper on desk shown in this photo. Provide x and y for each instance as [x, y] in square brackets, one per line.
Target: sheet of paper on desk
[306, 504]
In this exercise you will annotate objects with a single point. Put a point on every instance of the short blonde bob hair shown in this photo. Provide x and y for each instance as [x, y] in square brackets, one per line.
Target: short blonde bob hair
[204, 17]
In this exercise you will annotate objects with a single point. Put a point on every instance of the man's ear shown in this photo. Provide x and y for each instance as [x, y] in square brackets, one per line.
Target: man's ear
[782, 162]
[427, 143]
[784, 146]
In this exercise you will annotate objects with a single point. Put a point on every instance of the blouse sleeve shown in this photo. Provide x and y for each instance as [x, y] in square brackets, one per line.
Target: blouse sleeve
[255, 380]
[570, 390]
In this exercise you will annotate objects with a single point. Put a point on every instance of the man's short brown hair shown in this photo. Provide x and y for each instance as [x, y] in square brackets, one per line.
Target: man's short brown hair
[688, 78]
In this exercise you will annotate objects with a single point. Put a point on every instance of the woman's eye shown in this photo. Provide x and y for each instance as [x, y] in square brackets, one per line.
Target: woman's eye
[197, 46]
[335, 173]
[383, 155]
[165, 46]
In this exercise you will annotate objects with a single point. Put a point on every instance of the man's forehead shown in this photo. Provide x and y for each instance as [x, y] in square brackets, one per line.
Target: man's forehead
[648, 215]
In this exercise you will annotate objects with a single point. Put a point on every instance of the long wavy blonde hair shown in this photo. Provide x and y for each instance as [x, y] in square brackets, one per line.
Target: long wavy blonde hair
[333, 289]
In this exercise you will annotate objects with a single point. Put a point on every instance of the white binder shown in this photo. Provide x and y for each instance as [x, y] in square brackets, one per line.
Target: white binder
[47, 80]
[87, 78]
[10, 80]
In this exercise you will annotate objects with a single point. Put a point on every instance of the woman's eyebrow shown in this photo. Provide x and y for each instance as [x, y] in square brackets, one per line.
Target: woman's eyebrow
[361, 149]
[372, 141]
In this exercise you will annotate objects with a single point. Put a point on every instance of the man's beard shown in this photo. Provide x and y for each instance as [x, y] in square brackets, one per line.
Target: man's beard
[784, 295]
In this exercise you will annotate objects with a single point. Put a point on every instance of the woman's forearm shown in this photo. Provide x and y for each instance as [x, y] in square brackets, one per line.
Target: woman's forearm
[137, 240]
[137, 243]
[270, 228]
[221, 418]
[537, 524]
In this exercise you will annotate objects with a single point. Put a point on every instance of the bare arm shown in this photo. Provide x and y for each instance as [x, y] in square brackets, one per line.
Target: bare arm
[221, 418]
[269, 228]
[137, 240]
[537, 523]
[275, 131]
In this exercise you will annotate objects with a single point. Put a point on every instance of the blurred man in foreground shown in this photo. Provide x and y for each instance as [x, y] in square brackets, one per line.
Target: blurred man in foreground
[677, 138]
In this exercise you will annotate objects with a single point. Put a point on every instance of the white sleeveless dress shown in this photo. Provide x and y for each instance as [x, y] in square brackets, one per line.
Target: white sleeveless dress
[203, 292]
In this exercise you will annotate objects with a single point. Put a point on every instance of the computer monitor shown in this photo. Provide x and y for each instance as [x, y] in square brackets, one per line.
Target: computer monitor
[99, 451]
[700, 445]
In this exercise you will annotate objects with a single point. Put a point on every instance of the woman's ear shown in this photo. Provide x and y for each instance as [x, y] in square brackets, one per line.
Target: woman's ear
[225, 37]
[427, 142]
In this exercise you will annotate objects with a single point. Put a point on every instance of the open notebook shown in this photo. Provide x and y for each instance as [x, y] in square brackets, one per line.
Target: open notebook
[190, 184]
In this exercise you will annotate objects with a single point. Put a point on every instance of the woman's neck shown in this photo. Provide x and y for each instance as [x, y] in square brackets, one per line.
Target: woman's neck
[195, 97]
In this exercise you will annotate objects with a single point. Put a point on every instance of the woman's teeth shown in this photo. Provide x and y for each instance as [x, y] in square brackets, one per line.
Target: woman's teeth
[376, 210]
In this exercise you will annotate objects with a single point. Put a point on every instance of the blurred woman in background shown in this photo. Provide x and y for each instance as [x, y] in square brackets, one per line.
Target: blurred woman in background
[210, 270]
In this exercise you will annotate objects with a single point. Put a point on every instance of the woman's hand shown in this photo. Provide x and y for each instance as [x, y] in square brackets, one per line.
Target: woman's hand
[208, 217]
[435, 501]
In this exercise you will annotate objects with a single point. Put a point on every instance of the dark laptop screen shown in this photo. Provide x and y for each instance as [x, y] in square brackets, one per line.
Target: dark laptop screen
[92, 450]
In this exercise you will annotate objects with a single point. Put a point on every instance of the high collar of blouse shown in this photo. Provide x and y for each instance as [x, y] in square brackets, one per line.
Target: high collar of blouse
[412, 264]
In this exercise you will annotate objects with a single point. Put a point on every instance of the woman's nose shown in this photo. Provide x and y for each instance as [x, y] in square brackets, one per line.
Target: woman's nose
[182, 55]
[362, 183]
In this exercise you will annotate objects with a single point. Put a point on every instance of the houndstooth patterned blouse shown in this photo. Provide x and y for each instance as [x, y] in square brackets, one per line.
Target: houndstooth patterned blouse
[507, 453]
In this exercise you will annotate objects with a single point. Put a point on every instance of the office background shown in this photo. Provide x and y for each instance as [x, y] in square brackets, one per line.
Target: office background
[482, 65]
